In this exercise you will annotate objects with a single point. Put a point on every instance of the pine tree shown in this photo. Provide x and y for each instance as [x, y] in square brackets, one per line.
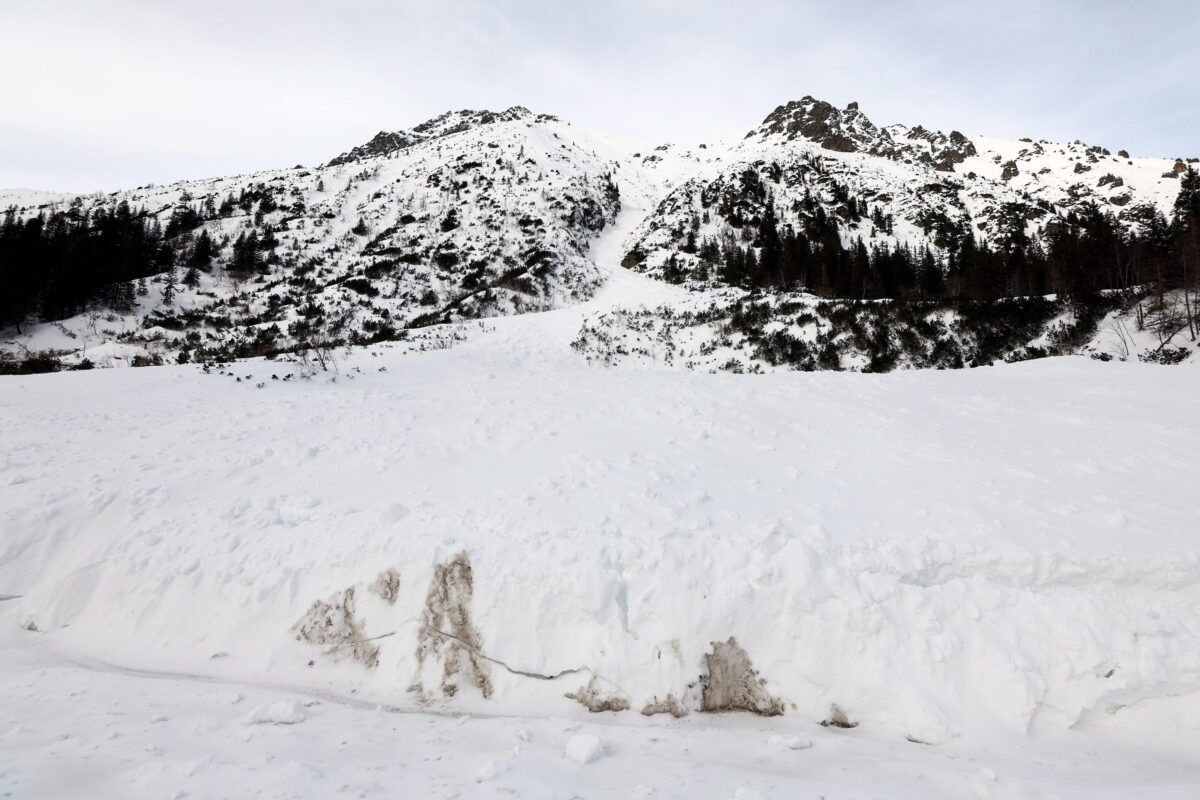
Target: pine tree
[168, 291]
[769, 271]
[1187, 204]
[672, 272]
[202, 252]
[246, 257]
[1187, 244]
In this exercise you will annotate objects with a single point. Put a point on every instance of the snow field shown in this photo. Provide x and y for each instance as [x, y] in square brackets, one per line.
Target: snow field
[69, 730]
[937, 554]
[992, 574]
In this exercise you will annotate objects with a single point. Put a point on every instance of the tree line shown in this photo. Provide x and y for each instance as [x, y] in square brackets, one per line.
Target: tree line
[1086, 251]
[59, 264]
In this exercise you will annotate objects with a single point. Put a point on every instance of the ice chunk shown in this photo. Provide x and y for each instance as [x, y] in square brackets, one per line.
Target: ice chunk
[742, 793]
[282, 712]
[584, 749]
[492, 770]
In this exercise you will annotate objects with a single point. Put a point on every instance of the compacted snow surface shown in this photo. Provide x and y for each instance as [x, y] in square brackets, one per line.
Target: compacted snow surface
[72, 730]
[245, 583]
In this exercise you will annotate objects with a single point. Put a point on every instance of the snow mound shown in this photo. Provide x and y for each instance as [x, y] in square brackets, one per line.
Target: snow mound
[281, 712]
[584, 749]
[924, 554]
[743, 793]
[492, 769]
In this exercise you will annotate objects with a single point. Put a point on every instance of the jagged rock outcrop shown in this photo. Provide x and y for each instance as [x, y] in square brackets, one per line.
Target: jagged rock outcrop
[843, 131]
[381, 144]
[387, 142]
[945, 150]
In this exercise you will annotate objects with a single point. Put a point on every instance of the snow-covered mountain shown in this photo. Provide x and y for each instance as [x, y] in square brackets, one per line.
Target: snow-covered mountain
[477, 214]
[808, 157]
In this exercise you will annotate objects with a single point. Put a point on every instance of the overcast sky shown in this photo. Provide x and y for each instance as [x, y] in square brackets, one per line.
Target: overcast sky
[114, 93]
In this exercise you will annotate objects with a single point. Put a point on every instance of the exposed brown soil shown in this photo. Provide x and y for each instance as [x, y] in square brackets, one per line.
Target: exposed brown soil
[447, 632]
[838, 719]
[387, 586]
[669, 706]
[333, 624]
[732, 683]
[596, 697]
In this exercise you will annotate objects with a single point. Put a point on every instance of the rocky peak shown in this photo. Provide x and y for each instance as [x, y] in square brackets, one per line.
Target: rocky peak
[845, 130]
[458, 121]
[849, 130]
[447, 124]
[383, 143]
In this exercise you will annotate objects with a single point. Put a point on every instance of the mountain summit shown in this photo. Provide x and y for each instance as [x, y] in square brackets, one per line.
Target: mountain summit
[452, 122]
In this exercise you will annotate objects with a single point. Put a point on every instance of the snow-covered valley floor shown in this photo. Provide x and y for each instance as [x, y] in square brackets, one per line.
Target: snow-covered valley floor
[72, 730]
[994, 572]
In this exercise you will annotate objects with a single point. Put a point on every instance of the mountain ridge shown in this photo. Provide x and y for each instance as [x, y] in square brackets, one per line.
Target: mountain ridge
[477, 213]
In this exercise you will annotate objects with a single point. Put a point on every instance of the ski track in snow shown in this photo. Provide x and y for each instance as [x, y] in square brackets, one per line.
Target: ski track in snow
[998, 561]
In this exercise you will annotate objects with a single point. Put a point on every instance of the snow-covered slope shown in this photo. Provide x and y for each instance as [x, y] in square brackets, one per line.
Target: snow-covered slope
[808, 157]
[482, 215]
[935, 553]
[477, 214]
[732, 330]
[28, 199]
[130, 736]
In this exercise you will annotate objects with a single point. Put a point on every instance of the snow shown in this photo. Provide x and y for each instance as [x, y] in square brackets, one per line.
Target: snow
[790, 742]
[997, 560]
[417, 569]
[283, 712]
[71, 730]
[492, 769]
[584, 749]
[742, 793]
[30, 198]
[224, 493]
